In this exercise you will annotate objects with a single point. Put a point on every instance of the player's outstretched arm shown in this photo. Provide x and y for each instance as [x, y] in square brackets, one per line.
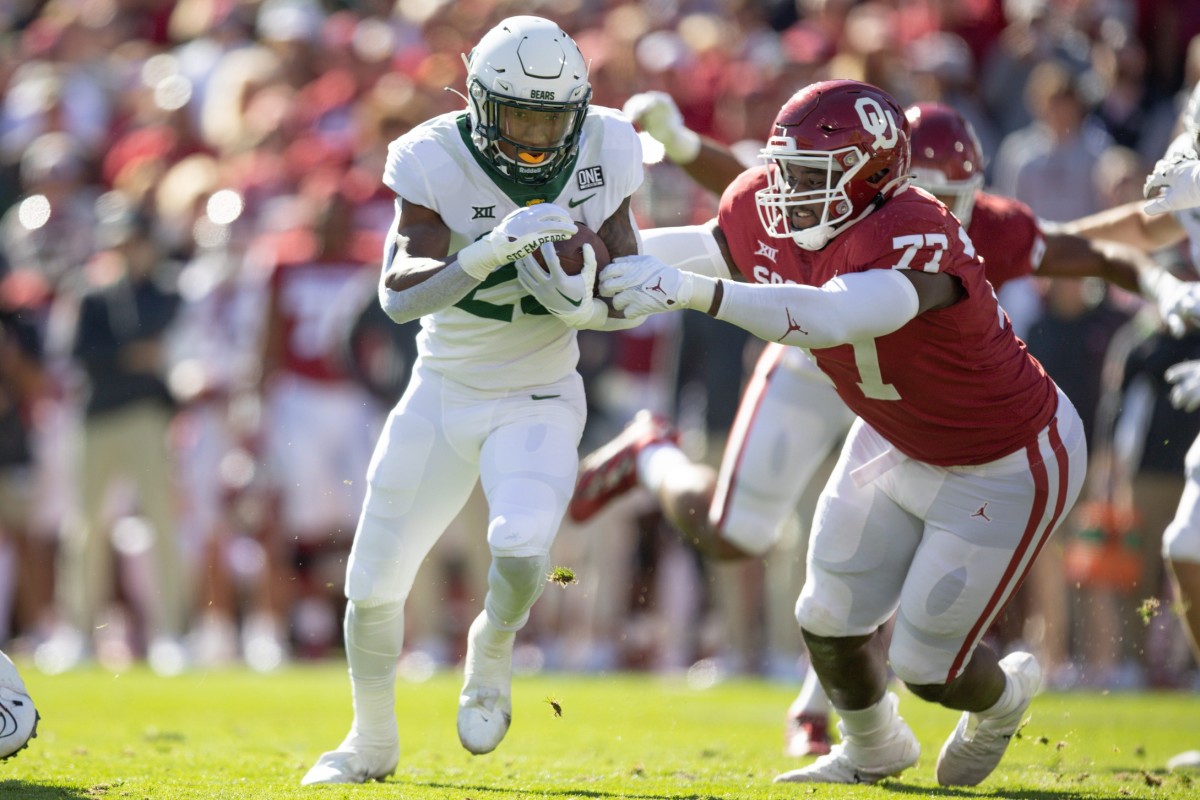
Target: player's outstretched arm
[1178, 302]
[1128, 223]
[1072, 256]
[706, 161]
[850, 308]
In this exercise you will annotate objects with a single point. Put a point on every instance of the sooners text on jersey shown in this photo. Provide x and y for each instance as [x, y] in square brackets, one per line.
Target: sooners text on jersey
[954, 386]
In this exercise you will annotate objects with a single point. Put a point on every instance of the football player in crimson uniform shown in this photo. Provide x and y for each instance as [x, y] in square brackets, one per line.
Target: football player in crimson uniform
[963, 460]
[495, 396]
[790, 416]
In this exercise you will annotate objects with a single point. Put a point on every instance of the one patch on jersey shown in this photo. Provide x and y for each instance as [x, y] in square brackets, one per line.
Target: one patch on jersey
[590, 177]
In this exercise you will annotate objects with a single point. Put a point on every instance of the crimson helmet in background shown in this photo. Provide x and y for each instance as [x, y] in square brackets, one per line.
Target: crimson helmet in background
[947, 160]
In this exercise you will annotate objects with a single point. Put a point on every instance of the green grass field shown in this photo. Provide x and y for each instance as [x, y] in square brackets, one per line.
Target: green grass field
[236, 734]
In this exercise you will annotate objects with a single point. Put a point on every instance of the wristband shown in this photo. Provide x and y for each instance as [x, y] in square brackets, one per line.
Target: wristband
[683, 147]
[475, 259]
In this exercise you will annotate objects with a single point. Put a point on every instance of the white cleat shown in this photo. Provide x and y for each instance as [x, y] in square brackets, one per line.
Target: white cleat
[1189, 759]
[485, 705]
[354, 762]
[851, 761]
[975, 748]
[18, 717]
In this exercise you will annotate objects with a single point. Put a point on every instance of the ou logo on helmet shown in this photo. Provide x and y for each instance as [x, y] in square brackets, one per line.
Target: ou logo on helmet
[879, 122]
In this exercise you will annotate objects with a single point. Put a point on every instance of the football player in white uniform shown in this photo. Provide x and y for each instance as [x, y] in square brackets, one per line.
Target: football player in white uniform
[18, 717]
[1171, 214]
[494, 394]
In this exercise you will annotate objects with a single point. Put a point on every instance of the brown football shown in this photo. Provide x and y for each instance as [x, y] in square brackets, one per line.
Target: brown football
[570, 251]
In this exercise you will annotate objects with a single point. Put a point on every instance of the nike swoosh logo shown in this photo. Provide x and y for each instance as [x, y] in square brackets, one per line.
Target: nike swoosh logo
[544, 396]
[570, 300]
[573, 203]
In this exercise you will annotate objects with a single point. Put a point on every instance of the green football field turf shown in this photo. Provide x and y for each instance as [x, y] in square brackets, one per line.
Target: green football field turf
[235, 734]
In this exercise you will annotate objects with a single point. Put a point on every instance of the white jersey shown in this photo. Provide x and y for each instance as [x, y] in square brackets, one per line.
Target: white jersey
[1184, 146]
[499, 337]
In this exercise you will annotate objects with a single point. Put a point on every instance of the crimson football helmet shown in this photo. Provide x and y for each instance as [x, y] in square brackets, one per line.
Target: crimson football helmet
[837, 150]
[947, 160]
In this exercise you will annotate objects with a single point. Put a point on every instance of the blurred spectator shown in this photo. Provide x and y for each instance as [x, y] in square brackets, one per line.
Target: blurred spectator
[213, 368]
[1119, 63]
[25, 558]
[318, 424]
[1049, 163]
[943, 71]
[49, 230]
[124, 315]
[1037, 32]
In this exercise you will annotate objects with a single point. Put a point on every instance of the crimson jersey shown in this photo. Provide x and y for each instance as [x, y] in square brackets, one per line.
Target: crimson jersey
[311, 295]
[1007, 238]
[952, 387]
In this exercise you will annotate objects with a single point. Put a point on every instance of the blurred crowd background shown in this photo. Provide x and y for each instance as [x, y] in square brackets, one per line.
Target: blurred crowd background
[193, 368]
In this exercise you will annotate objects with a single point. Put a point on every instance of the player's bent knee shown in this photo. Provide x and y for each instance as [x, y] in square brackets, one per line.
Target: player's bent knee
[819, 619]
[752, 536]
[929, 692]
[918, 669]
[1181, 544]
[363, 589]
[514, 534]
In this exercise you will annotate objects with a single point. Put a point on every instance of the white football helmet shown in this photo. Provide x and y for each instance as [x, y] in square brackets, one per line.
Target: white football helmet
[18, 717]
[528, 93]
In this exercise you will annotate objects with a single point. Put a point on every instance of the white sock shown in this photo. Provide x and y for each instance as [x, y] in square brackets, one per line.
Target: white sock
[490, 640]
[1005, 705]
[656, 462]
[374, 638]
[812, 699]
[870, 725]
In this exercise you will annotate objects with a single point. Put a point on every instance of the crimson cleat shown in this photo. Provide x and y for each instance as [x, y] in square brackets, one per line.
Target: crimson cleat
[611, 471]
[807, 735]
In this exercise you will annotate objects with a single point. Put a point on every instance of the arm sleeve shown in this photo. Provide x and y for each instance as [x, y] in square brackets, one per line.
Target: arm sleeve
[851, 308]
[444, 289]
[691, 248]
[439, 291]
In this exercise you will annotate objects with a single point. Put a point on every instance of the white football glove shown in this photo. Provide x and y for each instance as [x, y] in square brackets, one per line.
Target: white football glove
[658, 116]
[1185, 394]
[517, 235]
[1174, 185]
[568, 297]
[642, 285]
[1178, 302]
[1181, 307]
